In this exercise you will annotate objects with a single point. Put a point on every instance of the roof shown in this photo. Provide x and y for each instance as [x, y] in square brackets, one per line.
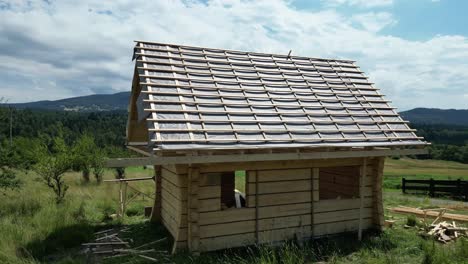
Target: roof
[204, 98]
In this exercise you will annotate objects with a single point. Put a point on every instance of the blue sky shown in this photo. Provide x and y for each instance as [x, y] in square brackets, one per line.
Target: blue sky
[416, 51]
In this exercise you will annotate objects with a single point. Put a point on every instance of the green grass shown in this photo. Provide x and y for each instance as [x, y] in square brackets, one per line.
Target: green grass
[395, 170]
[35, 230]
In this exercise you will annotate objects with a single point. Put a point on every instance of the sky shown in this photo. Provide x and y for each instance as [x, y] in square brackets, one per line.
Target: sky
[415, 51]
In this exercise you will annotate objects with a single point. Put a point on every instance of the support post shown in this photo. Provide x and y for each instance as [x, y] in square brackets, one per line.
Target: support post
[257, 231]
[120, 214]
[124, 201]
[193, 210]
[314, 197]
[156, 212]
[361, 195]
[378, 211]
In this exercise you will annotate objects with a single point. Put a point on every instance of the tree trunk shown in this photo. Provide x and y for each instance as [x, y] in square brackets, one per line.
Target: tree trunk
[85, 175]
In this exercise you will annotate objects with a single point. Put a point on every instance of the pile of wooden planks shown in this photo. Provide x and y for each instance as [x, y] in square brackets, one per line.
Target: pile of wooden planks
[445, 232]
[434, 213]
[108, 244]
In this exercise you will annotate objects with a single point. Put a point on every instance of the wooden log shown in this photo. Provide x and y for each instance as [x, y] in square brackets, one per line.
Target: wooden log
[422, 213]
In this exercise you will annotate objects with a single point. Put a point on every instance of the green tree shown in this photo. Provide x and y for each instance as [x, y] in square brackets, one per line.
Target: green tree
[53, 165]
[83, 152]
[98, 164]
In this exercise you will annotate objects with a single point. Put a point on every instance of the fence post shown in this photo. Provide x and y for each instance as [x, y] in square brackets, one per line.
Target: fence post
[403, 185]
[431, 188]
[459, 188]
[466, 190]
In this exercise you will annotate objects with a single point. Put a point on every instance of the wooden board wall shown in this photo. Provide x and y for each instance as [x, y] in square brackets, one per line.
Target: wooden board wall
[174, 204]
[282, 203]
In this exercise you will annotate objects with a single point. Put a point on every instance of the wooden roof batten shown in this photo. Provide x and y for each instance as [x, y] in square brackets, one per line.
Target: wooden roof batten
[199, 100]
[296, 154]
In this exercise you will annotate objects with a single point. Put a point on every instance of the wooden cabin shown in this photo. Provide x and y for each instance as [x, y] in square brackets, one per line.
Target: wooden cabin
[310, 135]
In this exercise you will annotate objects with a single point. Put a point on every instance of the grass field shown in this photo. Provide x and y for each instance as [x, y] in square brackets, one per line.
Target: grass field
[395, 170]
[35, 230]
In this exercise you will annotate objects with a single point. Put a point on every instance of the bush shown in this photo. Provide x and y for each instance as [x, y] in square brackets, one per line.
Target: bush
[411, 220]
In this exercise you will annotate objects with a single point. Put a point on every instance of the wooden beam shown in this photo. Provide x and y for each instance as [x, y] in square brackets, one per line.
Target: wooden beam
[131, 179]
[256, 207]
[156, 212]
[315, 174]
[126, 162]
[361, 196]
[377, 195]
[193, 210]
[139, 150]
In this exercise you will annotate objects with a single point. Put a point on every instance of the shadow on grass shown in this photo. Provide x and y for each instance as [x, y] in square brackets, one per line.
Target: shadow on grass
[55, 246]
[58, 242]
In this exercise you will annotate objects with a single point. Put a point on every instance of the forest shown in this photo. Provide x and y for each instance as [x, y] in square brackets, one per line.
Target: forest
[108, 130]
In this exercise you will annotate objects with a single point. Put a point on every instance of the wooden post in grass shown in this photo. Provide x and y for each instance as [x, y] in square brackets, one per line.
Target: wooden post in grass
[403, 185]
[431, 187]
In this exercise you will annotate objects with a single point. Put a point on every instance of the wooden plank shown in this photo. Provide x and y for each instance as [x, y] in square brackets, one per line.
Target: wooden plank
[344, 215]
[209, 205]
[283, 210]
[206, 192]
[176, 179]
[210, 179]
[270, 236]
[281, 198]
[229, 215]
[340, 227]
[272, 165]
[174, 191]
[125, 162]
[433, 214]
[283, 186]
[171, 203]
[232, 228]
[323, 206]
[180, 219]
[285, 222]
[283, 175]
[232, 241]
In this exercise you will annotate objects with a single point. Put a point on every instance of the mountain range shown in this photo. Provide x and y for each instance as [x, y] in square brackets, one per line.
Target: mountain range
[119, 101]
[89, 103]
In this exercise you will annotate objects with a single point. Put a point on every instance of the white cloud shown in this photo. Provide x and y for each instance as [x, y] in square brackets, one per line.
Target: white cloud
[359, 3]
[65, 49]
[373, 21]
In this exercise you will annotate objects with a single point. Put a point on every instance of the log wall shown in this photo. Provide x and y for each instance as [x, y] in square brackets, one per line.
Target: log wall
[282, 203]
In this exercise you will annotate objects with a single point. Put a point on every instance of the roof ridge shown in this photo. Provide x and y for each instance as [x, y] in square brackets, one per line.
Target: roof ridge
[240, 51]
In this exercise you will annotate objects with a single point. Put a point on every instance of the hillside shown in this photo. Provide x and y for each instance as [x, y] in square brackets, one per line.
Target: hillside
[431, 116]
[90, 103]
[119, 101]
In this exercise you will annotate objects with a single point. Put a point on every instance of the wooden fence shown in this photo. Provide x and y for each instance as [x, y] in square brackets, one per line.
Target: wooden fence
[457, 188]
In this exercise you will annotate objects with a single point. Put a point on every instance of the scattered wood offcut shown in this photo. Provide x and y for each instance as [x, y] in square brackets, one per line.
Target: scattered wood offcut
[108, 244]
[445, 232]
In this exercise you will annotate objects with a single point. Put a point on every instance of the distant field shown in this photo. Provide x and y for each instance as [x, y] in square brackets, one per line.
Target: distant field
[395, 170]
